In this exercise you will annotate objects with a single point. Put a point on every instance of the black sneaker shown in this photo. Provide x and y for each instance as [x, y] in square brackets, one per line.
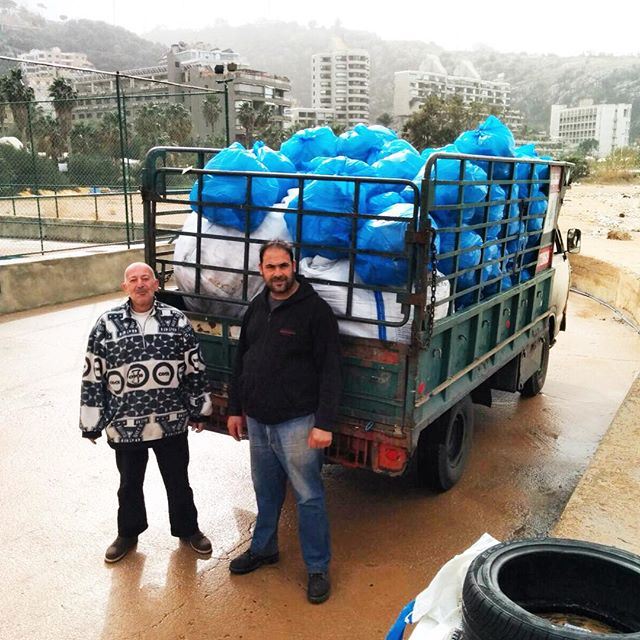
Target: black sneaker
[119, 548]
[318, 588]
[248, 561]
[199, 543]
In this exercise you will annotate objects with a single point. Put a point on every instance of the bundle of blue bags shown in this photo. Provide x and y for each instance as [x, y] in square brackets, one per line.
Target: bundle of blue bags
[490, 232]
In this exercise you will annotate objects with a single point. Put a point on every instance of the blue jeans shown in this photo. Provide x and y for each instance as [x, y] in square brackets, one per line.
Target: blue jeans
[280, 452]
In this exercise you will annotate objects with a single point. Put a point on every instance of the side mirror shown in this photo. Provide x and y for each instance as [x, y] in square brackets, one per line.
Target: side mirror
[574, 240]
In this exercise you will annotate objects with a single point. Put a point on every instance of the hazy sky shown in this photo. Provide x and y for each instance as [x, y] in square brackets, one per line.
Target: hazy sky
[564, 27]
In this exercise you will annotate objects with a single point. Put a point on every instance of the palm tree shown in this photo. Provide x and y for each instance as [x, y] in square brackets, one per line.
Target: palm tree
[63, 95]
[14, 90]
[254, 121]
[211, 110]
[177, 123]
[385, 119]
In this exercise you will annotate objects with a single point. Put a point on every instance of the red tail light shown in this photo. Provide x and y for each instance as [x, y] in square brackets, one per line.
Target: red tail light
[391, 458]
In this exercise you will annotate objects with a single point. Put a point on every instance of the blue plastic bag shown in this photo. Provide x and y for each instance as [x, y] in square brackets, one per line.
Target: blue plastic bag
[383, 201]
[232, 190]
[331, 196]
[276, 162]
[307, 144]
[404, 165]
[469, 248]
[491, 138]
[389, 148]
[387, 236]
[362, 141]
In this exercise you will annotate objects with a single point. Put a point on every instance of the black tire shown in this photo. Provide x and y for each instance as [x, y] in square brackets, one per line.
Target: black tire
[533, 386]
[511, 588]
[444, 446]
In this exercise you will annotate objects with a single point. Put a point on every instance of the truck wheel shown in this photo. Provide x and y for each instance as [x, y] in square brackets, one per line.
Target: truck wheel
[443, 447]
[552, 589]
[533, 386]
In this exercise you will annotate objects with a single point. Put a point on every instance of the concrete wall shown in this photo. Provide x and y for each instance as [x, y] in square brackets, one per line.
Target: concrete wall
[617, 286]
[90, 231]
[29, 283]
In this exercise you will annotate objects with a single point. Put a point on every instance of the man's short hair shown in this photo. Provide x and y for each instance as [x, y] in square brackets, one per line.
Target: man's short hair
[277, 244]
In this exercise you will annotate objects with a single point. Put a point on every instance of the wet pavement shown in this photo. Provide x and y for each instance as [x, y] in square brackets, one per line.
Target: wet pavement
[59, 503]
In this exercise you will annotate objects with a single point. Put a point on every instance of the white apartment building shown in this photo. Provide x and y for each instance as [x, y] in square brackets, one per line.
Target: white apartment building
[609, 124]
[340, 82]
[411, 88]
[308, 117]
[40, 77]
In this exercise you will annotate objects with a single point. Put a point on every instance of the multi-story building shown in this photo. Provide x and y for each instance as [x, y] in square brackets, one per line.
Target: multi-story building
[308, 117]
[40, 76]
[224, 71]
[609, 124]
[340, 82]
[216, 70]
[411, 89]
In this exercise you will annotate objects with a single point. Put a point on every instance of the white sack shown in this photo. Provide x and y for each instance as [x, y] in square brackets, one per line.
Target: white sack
[364, 304]
[222, 253]
[438, 609]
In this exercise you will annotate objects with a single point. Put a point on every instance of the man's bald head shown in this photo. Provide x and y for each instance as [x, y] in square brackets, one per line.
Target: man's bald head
[140, 284]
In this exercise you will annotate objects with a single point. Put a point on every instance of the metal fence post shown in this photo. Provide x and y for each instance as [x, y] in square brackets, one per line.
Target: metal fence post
[35, 175]
[120, 100]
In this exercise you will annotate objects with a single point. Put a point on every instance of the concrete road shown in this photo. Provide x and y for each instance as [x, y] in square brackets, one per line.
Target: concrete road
[58, 502]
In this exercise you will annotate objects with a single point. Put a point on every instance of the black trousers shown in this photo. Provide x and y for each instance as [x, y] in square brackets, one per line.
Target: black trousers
[172, 454]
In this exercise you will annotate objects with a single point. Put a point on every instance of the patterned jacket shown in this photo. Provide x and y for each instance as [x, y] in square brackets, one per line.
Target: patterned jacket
[142, 386]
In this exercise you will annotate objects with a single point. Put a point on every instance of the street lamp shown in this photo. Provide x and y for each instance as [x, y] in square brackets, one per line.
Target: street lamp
[219, 70]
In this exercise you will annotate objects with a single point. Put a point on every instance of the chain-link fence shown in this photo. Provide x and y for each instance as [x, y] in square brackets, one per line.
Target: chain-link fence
[70, 162]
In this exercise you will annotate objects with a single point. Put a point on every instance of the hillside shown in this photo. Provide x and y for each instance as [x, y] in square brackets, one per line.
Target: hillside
[537, 80]
[286, 48]
[107, 47]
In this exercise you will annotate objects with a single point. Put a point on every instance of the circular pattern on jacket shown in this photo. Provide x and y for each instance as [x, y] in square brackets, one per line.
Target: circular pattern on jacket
[163, 374]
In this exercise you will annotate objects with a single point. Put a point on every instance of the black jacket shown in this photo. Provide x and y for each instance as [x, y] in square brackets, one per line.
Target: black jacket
[288, 360]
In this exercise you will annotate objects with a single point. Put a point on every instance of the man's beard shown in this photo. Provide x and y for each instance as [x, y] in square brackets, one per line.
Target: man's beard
[281, 285]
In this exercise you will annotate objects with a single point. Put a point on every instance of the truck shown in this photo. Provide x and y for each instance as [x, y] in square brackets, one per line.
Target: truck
[406, 405]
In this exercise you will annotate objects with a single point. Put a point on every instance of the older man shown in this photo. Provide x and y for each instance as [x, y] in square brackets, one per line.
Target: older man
[143, 384]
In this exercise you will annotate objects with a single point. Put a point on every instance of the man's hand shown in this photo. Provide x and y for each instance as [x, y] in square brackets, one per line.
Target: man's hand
[196, 426]
[92, 440]
[319, 438]
[236, 427]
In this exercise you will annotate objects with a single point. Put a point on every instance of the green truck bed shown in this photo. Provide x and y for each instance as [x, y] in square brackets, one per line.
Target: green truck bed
[405, 405]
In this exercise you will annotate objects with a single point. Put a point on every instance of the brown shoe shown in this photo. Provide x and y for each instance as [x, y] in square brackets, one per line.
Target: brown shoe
[200, 543]
[119, 548]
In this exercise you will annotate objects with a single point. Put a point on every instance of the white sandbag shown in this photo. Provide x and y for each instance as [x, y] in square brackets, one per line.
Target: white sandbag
[222, 253]
[366, 304]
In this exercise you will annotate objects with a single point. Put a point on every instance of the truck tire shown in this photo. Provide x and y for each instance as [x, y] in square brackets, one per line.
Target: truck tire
[514, 589]
[533, 386]
[444, 446]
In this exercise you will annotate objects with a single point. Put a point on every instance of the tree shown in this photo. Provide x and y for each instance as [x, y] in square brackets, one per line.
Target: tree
[211, 110]
[83, 138]
[385, 119]
[177, 123]
[586, 147]
[108, 134]
[64, 96]
[439, 121]
[338, 127]
[14, 90]
[162, 124]
[254, 121]
[48, 136]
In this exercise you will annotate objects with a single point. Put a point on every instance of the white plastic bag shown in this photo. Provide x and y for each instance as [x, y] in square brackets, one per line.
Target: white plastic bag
[438, 609]
[366, 303]
[222, 253]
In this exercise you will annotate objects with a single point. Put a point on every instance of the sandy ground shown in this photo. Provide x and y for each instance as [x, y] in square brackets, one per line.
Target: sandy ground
[600, 211]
